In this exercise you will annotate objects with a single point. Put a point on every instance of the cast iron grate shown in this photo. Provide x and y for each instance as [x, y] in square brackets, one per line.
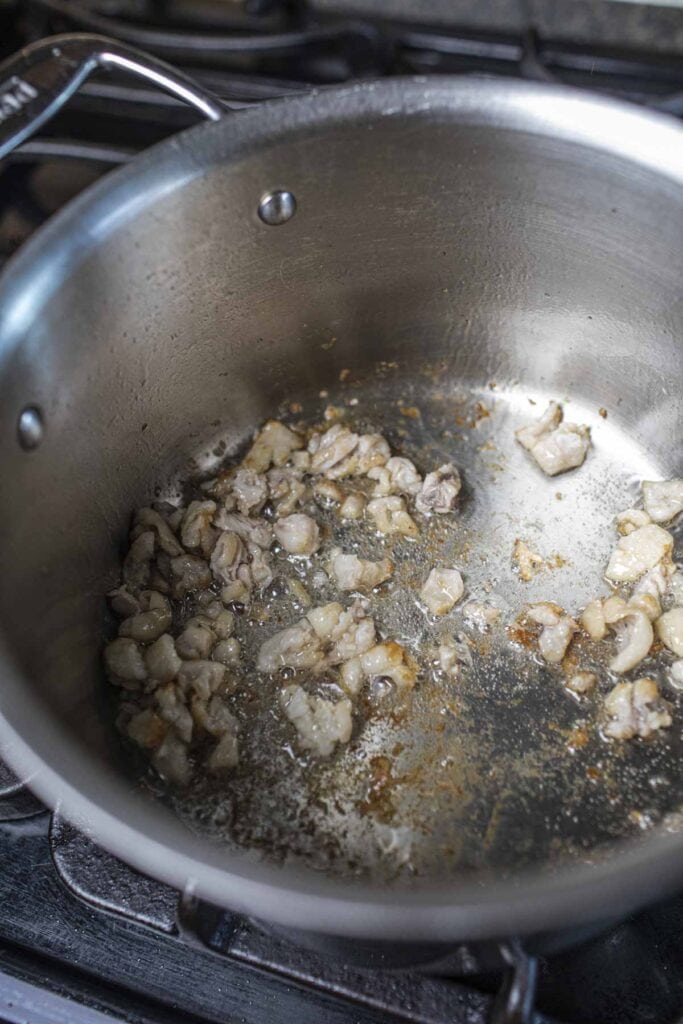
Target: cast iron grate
[78, 923]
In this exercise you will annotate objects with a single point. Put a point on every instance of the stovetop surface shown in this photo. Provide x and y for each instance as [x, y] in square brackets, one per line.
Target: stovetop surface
[82, 937]
[81, 932]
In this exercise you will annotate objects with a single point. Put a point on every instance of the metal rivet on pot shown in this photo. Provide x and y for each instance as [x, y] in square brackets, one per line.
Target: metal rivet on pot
[277, 207]
[30, 428]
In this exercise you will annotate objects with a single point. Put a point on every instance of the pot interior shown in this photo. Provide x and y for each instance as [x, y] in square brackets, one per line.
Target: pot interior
[461, 268]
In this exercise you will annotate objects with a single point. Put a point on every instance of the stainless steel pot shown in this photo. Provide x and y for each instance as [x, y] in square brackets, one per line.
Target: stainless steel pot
[511, 230]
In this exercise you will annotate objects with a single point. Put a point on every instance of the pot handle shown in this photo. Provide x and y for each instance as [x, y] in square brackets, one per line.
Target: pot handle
[36, 82]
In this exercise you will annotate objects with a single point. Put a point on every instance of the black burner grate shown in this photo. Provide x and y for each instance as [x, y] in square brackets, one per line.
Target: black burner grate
[78, 925]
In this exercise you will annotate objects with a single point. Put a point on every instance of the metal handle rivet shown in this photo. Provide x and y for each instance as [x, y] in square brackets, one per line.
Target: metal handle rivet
[30, 428]
[277, 207]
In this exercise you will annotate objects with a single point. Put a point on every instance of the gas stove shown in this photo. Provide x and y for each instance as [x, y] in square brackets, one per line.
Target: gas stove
[247, 51]
[84, 938]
